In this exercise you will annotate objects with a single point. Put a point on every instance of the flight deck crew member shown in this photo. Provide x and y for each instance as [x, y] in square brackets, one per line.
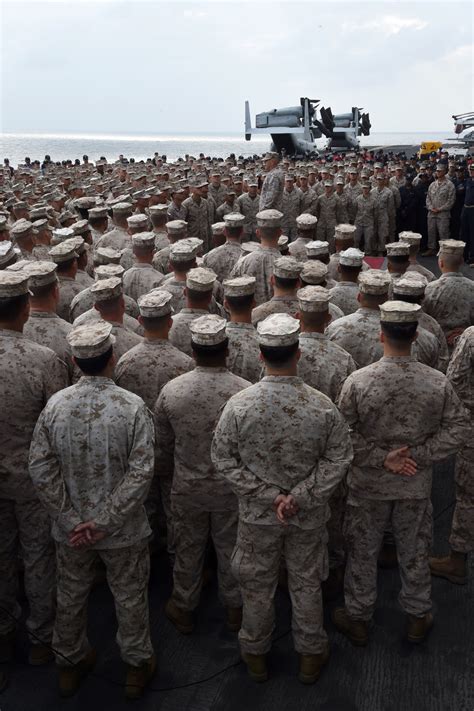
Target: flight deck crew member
[283, 448]
[403, 416]
[91, 462]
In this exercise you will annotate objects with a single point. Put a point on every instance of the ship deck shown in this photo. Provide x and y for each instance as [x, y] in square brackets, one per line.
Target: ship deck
[202, 672]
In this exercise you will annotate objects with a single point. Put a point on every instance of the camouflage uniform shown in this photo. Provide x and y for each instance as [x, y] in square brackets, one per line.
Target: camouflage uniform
[420, 269]
[223, 259]
[450, 300]
[251, 452]
[359, 335]
[118, 238]
[177, 287]
[176, 213]
[31, 374]
[384, 208]
[68, 289]
[130, 323]
[364, 220]
[329, 214]
[84, 301]
[334, 264]
[216, 193]
[461, 376]
[391, 403]
[271, 195]
[196, 215]
[161, 237]
[144, 370]
[244, 353]
[297, 248]
[84, 279]
[141, 279]
[291, 208]
[47, 329]
[161, 260]
[180, 335]
[249, 208]
[276, 305]
[226, 209]
[352, 192]
[441, 195]
[344, 295]
[308, 201]
[105, 477]
[258, 264]
[202, 504]
[344, 205]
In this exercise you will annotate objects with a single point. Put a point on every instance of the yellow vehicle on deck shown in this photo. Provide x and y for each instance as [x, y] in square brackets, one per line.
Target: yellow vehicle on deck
[428, 147]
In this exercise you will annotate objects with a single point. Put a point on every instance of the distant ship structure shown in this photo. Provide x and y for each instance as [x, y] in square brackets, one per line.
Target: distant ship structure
[295, 129]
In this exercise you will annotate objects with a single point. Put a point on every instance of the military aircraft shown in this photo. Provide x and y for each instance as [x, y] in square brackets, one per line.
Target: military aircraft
[295, 129]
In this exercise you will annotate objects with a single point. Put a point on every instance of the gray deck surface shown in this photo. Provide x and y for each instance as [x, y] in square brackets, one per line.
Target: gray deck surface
[388, 675]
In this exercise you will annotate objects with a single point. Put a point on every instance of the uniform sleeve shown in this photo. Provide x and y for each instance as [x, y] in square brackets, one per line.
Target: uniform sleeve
[228, 463]
[452, 434]
[164, 438]
[429, 202]
[132, 490]
[366, 453]
[45, 473]
[450, 198]
[56, 376]
[459, 370]
[316, 489]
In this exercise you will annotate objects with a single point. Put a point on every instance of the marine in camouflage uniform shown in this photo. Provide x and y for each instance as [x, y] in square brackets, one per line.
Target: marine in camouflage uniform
[243, 352]
[461, 376]
[291, 208]
[197, 217]
[329, 214]
[440, 199]
[393, 403]
[364, 220]
[251, 452]
[32, 374]
[384, 207]
[249, 206]
[103, 478]
[271, 194]
[203, 505]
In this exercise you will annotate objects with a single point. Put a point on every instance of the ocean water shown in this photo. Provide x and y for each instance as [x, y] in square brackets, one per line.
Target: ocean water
[16, 146]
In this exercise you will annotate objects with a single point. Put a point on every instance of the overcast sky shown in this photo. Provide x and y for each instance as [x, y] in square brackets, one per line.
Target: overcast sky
[139, 67]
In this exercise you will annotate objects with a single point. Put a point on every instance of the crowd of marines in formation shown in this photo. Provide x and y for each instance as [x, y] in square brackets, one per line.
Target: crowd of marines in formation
[200, 353]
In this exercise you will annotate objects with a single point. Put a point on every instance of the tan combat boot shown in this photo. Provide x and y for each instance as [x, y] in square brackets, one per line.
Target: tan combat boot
[452, 567]
[234, 618]
[138, 678]
[355, 630]
[70, 677]
[182, 619]
[256, 666]
[311, 665]
[418, 627]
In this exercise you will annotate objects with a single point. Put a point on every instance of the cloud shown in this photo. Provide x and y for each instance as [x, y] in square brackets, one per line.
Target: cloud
[389, 25]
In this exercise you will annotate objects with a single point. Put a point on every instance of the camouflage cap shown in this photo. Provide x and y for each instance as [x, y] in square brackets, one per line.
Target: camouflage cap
[106, 289]
[314, 272]
[374, 282]
[411, 238]
[306, 222]
[20, 228]
[144, 239]
[399, 312]
[7, 253]
[397, 249]
[269, 218]
[313, 298]
[317, 248]
[208, 330]
[234, 219]
[239, 286]
[278, 330]
[13, 283]
[451, 246]
[108, 255]
[287, 268]
[155, 304]
[200, 279]
[410, 284]
[41, 273]
[218, 228]
[176, 226]
[351, 257]
[91, 340]
[344, 232]
[60, 234]
[105, 271]
[63, 252]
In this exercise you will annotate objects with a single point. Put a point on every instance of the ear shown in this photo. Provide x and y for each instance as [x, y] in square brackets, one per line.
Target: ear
[272, 280]
[260, 357]
[358, 297]
[298, 355]
[382, 337]
[140, 320]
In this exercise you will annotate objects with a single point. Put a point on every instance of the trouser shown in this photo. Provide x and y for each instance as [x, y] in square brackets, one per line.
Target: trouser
[336, 545]
[325, 230]
[25, 528]
[158, 502]
[438, 228]
[127, 571]
[365, 524]
[382, 233]
[461, 539]
[192, 527]
[256, 564]
[365, 233]
[467, 232]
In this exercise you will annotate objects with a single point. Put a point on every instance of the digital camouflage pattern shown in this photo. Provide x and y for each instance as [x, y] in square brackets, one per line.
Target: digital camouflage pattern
[450, 300]
[141, 279]
[244, 353]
